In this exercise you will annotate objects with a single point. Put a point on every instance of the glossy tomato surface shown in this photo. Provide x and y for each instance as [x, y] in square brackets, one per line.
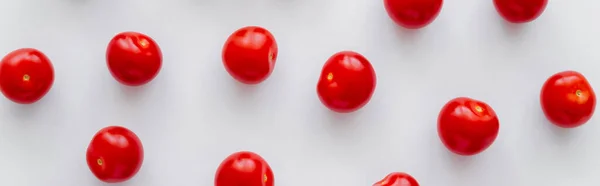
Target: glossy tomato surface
[467, 126]
[115, 154]
[249, 54]
[347, 82]
[397, 179]
[567, 99]
[26, 75]
[413, 14]
[133, 58]
[244, 169]
[520, 11]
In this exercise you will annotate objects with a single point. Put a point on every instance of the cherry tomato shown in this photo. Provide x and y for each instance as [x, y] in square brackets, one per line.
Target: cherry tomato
[26, 75]
[115, 154]
[347, 82]
[397, 179]
[567, 99]
[133, 58]
[244, 169]
[520, 11]
[413, 14]
[249, 54]
[467, 126]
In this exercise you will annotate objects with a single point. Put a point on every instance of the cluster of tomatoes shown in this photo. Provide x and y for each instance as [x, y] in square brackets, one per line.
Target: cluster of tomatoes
[465, 126]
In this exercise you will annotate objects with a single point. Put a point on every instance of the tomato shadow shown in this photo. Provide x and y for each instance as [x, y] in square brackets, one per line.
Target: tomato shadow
[559, 135]
[245, 96]
[30, 112]
[512, 30]
[458, 161]
[408, 36]
[133, 93]
[77, 2]
[344, 128]
[23, 111]
[245, 90]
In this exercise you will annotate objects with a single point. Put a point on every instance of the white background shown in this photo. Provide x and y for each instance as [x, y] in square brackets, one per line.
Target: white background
[194, 114]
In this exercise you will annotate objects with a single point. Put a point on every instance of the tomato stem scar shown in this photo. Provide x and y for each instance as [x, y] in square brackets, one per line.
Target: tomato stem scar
[26, 77]
[478, 109]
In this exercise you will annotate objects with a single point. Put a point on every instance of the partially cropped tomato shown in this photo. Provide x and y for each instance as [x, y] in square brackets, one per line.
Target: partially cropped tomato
[567, 99]
[413, 14]
[244, 169]
[397, 179]
[115, 154]
[467, 126]
[133, 58]
[26, 75]
[347, 82]
[520, 11]
[249, 54]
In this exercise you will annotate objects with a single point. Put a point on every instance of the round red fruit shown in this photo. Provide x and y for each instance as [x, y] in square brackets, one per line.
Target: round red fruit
[347, 82]
[244, 169]
[249, 54]
[397, 179]
[520, 11]
[467, 126]
[567, 99]
[115, 154]
[413, 14]
[133, 58]
[26, 75]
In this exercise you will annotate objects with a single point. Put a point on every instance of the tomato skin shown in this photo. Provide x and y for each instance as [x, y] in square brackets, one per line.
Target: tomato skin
[133, 58]
[115, 154]
[249, 54]
[244, 169]
[520, 11]
[347, 82]
[26, 75]
[397, 179]
[467, 126]
[413, 14]
[567, 99]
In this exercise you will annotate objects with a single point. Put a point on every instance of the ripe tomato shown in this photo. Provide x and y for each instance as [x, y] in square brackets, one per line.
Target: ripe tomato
[244, 169]
[26, 75]
[413, 14]
[467, 126]
[397, 179]
[520, 11]
[115, 154]
[347, 82]
[133, 58]
[249, 54]
[567, 99]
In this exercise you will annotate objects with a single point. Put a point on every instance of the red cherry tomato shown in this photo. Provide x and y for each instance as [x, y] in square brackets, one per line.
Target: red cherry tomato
[520, 11]
[397, 179]
[413, 14]
[244, 169]
[133, 58]
[26, 75]
[115, 154]
[249, 54]
[467, 126]
[347, 82]
[567, 99]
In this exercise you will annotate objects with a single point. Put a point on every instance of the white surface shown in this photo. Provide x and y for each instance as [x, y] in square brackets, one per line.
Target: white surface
[193, 114]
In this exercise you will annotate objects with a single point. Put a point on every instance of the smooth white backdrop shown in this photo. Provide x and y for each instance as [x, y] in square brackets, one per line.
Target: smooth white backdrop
[193, 114]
